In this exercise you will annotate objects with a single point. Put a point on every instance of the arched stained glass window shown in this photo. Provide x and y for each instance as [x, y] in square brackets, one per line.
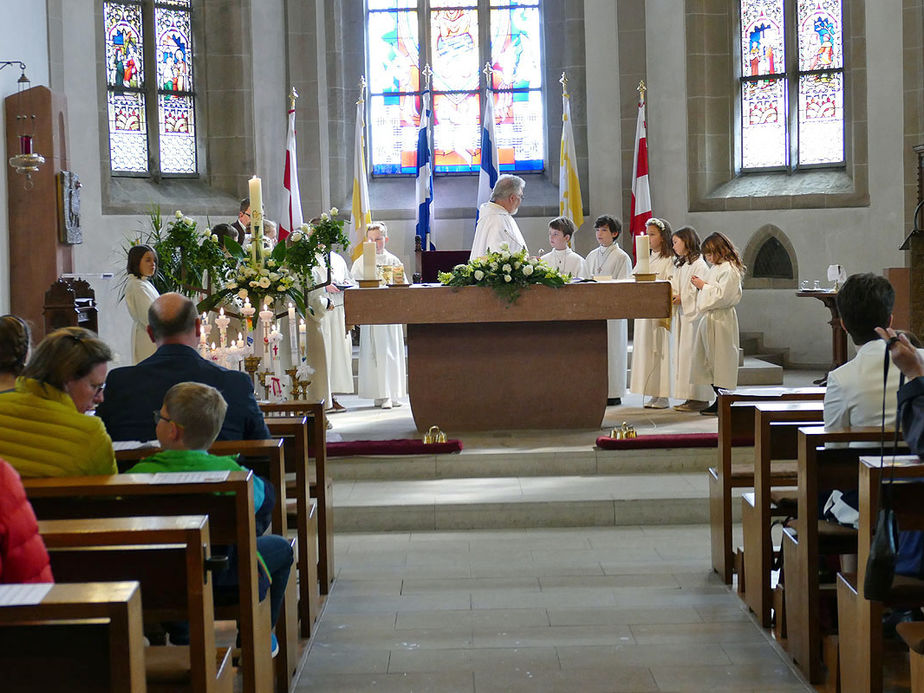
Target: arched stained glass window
[792, 83]
[149, 85]
[456, 38]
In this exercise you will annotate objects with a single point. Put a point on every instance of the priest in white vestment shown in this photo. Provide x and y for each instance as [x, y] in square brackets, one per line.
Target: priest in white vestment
[496, 225]
[562, 258]
[382, 370]
[611, 262]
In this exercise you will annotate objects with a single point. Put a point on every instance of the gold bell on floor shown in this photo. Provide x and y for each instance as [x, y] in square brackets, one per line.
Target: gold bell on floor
[623, 432]
[434, 435]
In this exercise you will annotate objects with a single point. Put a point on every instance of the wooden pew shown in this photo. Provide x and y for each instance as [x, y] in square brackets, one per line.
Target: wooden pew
[304, 510]
[80, 637]
[737, 424]
[775, 428]
[229, 506]
[171, 559]
[859, 619]
[268, 459]
[819, 469]
[314, 448]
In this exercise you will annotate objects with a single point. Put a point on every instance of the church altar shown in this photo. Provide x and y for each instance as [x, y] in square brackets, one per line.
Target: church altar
[477, 363]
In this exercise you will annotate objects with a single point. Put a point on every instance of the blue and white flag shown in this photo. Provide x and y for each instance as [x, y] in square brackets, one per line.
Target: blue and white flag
[424, 175]
[490, 168]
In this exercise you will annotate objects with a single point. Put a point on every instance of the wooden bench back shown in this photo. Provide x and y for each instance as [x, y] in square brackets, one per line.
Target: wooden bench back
[229, 506]
[80, 637]
[167, 555]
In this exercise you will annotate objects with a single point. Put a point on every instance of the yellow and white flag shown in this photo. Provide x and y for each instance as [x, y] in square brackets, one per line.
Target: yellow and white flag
[569, 187]
[360, 213]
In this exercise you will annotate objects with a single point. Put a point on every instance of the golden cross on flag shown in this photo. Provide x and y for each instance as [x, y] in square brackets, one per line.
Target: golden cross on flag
[427, 72]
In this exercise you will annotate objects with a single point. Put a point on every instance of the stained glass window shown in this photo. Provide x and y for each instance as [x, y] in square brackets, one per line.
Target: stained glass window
[151, 104]
[802, 106]
[454, 50]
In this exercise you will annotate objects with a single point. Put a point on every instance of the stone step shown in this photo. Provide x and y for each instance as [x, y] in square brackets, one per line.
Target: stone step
[518, 502]
[755, 371]
[492, 463]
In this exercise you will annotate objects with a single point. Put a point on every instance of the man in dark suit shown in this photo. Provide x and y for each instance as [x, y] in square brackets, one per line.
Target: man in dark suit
[243, 220]
[134, 393]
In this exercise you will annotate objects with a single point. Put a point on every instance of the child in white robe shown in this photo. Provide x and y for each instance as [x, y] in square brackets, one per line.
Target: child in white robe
[715, 352]
[338, 344]
[611, 262]
[382, 371]
[688, 262]
[562, 258]
[651, 345]
[139, 295]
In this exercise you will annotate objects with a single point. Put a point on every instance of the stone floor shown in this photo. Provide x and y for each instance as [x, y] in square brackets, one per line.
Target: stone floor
[584, 609]
[617, 608]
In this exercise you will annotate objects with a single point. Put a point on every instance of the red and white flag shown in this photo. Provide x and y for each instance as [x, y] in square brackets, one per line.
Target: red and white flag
[641, 196]
[291, 198]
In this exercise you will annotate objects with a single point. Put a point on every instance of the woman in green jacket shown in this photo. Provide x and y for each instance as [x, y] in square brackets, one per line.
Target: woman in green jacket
[44, 427]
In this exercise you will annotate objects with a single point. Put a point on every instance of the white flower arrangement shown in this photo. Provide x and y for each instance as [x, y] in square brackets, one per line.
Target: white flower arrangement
[507, 273]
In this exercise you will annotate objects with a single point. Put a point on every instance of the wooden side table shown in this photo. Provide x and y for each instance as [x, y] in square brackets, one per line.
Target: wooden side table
[838, 333]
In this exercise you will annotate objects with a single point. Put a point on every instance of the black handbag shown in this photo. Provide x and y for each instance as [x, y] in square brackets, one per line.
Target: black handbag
[880, 566]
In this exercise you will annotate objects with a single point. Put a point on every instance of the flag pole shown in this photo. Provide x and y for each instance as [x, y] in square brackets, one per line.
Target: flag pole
[428, 73]
[641, 90]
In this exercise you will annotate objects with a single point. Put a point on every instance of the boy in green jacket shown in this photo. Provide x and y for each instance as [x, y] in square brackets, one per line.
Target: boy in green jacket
[187, 424]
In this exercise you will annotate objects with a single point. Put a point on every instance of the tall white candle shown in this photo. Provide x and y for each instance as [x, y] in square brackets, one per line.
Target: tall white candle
[641, 254]
[303, 338]
[255, 186]
[368, 260]
[293, 334]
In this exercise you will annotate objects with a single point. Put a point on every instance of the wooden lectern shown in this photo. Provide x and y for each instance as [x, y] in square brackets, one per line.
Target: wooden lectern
[70, 303]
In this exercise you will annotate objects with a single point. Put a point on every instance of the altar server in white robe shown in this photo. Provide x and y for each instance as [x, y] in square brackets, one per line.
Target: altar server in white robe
[688, 262]
[562, 258]
[382, 371]
[651, 346]
[715, 352]
[496, 225]
[611, 262]
[338, 344]
[139, 295]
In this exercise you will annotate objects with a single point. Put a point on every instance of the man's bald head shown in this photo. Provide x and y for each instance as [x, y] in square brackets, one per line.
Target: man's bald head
[172, 319]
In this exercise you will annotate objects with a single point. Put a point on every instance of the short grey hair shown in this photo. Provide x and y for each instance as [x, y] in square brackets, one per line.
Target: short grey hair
[506, 186]
[199, 410]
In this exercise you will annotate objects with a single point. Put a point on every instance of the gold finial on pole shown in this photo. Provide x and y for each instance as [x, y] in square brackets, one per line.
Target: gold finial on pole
[488, 71]
[427, 72]
[641, 90]
[362, 89]
[564, 84]
[293, 95]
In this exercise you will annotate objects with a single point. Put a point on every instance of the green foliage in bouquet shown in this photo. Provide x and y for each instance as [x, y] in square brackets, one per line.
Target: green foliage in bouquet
[187, 258]
[505, 272]
[286, 273]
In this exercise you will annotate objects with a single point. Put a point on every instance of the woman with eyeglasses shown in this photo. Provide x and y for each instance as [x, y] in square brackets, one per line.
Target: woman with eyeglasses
[15, 340]
[44, 427]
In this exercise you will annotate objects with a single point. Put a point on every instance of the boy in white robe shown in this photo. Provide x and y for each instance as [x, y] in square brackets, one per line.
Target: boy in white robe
[651, 346]
[562, 258]
[382, 371]
[611, 262]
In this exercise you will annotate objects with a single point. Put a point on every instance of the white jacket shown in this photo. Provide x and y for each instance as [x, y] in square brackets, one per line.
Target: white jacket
[496, 226]
[854, 393]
